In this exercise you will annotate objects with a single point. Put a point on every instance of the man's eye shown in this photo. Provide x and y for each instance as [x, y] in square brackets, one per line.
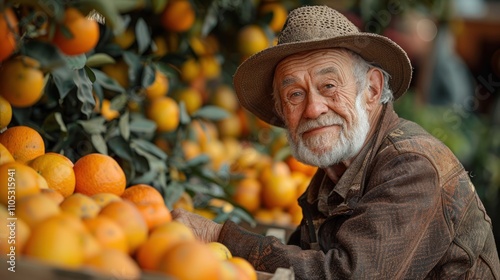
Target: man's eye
[295, 97]
[329, 86]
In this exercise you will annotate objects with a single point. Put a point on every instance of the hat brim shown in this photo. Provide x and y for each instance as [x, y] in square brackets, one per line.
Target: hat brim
[253, 80]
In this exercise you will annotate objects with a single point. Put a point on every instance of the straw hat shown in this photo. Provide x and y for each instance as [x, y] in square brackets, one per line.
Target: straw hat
[311, 28]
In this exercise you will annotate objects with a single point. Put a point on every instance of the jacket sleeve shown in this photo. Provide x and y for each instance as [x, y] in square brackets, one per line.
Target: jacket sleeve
[396, 231]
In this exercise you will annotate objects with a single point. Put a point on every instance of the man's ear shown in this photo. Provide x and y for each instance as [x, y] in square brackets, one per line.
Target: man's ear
[375, 85]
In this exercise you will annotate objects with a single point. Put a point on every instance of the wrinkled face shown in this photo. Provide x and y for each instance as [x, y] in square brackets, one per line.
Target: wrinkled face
[323, 109]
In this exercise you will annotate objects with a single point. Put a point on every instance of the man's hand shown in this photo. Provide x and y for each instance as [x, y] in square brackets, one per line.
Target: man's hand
[204, 229]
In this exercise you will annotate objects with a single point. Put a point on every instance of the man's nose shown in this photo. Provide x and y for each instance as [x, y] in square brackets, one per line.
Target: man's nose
[316, 105]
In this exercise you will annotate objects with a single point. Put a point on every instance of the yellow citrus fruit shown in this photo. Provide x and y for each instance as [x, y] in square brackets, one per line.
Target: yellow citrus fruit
[210, 67]
[84, 33]
[115, 264]
[107, 233]
[125, 39]
[190, 260]
[178, 16]
[17, 181]
[190, 70]
[128, 217]
[279, 12]
[80, 205]
[55, 241]
[102, 199]
[244, 266]
[192, 99]
[247, 194]
[230, 126]
[57, 170]
[159, 87]
[98, 173]
[164, 111]
[220, 250]
[251, 39]
[34, 209]
[117, 71]
[21, 81]
[5, 155]
[5, 113]
[107, 112]
[225, 98]
[278, 191]
[8, 31]
[298, 166]
[23, 142]
[161, 47]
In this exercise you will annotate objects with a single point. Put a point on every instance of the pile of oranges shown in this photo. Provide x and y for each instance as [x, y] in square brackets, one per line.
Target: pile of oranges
[82, 216]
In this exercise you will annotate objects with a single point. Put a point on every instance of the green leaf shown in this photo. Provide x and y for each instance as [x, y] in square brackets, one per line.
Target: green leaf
[63, 80]
[149, 147]
[211, 112]
[184, 117]
[148, 75]
[99, 143]
[143, 35]
[75, 62]
[84, 92]
[90, 74]
[45, 53]
[106, 82]
[120, 147]
[202, 159]
[158, 5]
[99, 59]
[197, 188]
[145, 178]
[93, 126]
[172, 192]
[142, 125]
[54, 122]
[123, 124]
[119, 102]
[134, 66]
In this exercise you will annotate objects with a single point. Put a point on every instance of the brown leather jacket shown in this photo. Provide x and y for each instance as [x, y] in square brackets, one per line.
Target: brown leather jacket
[404, 209]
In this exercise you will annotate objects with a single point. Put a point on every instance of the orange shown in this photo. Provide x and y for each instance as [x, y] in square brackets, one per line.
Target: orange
[80, 205]
[12, 235]
[23, 142]
[281, 217]
[190, 70]
[8, 32]
[143, 194]
[154, 214]
[34, 209]
[5, 155]
[21, 81]
[115, 264]
[298, 166]
[220, 250]
[296, 212]
[164, 111]
[54, 195]
[192, 99]
[161, 47]
[247, 194]
[98, 173]
[165, 237]
[251, 39]
[215, 150]
[264, 216]
[202, 132]
[229, 271]
[210, 67]
[278, 191]
[279, 12]
[107, 112]
[104, 199]
[273, 168]
[57, 171]
[128, 217]
[15, 176]
[178, 16]
[230, 126]
[125, 39]
[84, 33]
[107, 233]
[91, 247]
[225, 98]
[159, 87]
[56, 242]
[191, 149]
[5, 113]
[190, 260]
[117, 71]
[245, 267]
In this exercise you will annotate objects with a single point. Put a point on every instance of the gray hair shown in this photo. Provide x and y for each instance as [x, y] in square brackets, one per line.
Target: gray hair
[359, 70]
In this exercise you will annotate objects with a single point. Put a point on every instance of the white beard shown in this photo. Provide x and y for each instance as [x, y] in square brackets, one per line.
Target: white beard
[319, 150]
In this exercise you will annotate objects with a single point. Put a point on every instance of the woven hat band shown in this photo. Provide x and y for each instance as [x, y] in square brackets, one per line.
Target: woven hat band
[309, 23]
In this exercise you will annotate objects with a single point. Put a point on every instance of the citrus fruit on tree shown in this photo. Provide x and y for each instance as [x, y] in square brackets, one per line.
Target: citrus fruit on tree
[279, 14]
[83, 33]
[117, 71]
[8, 32]
[225, 98]
[21, 81]
[57, 171]
[164, 111]
[251, 39]
[128, 217]
[56, 242]
[159, 87]
[190, 260]
[192, 99]
[178, 16]
[5, 113]
[98, 173]
[80, 205]
[107, 112]
[19, 176]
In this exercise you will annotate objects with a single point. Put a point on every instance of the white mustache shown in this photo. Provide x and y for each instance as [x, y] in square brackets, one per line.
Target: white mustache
[323, 120]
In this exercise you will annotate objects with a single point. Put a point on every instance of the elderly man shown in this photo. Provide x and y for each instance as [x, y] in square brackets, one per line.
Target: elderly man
[389, 201]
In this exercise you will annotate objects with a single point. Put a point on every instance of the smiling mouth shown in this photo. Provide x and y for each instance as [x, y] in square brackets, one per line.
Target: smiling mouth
[320, 129]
